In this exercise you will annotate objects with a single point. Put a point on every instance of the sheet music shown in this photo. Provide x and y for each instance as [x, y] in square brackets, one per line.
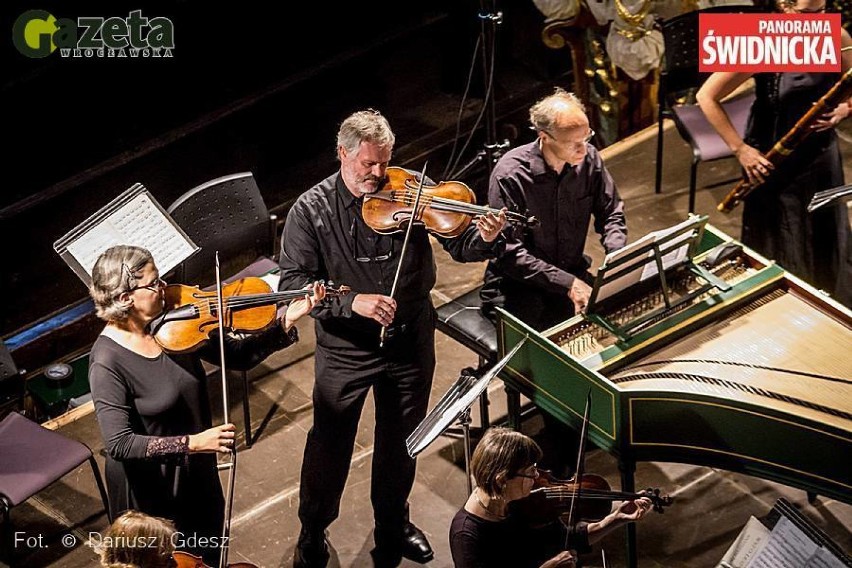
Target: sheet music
[139, 222]
[747, 545]
[674, 256]
[644, 267]
[788, 547]
[824, 559]
[785, 546]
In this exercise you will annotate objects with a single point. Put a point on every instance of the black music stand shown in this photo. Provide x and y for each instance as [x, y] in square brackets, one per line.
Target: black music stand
[455, 405]
[822, 198]
[132, 218]
[647, 261]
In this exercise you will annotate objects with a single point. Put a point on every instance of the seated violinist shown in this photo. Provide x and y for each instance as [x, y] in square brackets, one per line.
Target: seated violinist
[484, 534]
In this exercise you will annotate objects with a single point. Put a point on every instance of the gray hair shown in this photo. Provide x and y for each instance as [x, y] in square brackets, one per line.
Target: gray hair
[115, 272]
[365, 126]
[544, 113]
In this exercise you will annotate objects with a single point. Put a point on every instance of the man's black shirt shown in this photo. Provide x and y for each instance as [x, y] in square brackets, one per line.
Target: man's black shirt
[325, 238]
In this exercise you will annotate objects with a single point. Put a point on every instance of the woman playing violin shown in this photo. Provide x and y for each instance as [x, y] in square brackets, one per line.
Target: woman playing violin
[153, 408]
[483, 534]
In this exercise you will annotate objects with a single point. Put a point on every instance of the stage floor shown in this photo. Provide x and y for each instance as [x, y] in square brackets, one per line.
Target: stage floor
[711, 505]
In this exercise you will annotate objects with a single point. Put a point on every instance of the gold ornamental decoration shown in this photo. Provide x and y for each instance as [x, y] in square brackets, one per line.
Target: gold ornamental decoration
[633, 19]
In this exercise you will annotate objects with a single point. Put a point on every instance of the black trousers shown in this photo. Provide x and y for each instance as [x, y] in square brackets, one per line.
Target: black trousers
[400, 375]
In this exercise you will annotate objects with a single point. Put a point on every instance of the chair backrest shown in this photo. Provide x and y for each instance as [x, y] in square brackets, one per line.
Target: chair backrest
[680, 74]
[693, 126]
[228, 215]
[34, 457]
[8, 369]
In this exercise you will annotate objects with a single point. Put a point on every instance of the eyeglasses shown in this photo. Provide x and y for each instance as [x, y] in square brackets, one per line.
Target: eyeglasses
[154, 286]
[586, 139]
[378, 258]
[533, 475]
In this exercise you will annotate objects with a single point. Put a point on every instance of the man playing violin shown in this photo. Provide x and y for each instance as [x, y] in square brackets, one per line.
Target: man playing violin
[484, 533]
[152, 407]
[325, 237]
[560, 178]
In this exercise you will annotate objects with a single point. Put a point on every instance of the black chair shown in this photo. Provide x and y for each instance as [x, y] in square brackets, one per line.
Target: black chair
[33, 458]
[462, 320]
[679, 81]
[227, 215]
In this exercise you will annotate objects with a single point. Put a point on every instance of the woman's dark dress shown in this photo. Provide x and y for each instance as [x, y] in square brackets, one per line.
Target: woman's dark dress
[146, 407]
[479, 543]
[776, 223]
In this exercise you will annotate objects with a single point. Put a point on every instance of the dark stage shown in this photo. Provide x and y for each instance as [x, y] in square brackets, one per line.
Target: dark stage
[81, 132]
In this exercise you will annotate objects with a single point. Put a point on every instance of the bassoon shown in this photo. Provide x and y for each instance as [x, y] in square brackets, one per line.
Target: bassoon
[782, 149]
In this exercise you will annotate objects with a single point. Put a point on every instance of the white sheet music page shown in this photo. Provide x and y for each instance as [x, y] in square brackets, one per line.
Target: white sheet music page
[674, 256]
[788, 547]
[139, 222]
[644, 266]
[748, 544]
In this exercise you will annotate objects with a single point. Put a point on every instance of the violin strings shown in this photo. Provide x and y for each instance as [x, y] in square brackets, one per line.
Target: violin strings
[554, 493]
[451, 205]
[587, 491]
[590, 497]
[250, 299]
[595, 492]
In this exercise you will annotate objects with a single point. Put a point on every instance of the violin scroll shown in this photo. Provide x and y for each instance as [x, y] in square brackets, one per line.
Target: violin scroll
[333, 291]
[658, 502]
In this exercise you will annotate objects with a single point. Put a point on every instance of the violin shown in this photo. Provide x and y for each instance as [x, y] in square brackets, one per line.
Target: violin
[187, 560]
[190, 314]
[446, 209]
[551, 498]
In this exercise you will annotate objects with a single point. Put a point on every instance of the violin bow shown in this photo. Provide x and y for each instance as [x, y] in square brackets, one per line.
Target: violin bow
[384, 331]
[232, 466]
[578, 471]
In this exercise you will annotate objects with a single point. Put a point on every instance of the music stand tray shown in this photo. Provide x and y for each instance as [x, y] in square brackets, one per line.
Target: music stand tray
[455, 405]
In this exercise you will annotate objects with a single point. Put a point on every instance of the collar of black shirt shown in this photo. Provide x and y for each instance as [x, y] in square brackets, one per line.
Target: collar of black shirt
[345, 195]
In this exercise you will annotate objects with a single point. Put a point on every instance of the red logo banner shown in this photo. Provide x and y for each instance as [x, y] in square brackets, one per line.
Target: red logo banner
[755, 43]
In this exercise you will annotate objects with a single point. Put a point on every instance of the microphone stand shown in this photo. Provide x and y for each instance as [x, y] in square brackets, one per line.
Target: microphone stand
[489, 18]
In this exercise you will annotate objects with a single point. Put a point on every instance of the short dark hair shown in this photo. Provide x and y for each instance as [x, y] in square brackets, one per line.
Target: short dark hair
[499, 455]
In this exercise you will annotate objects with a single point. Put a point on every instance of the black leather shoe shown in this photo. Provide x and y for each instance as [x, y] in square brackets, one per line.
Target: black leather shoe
[415, 546]
[311, 551]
